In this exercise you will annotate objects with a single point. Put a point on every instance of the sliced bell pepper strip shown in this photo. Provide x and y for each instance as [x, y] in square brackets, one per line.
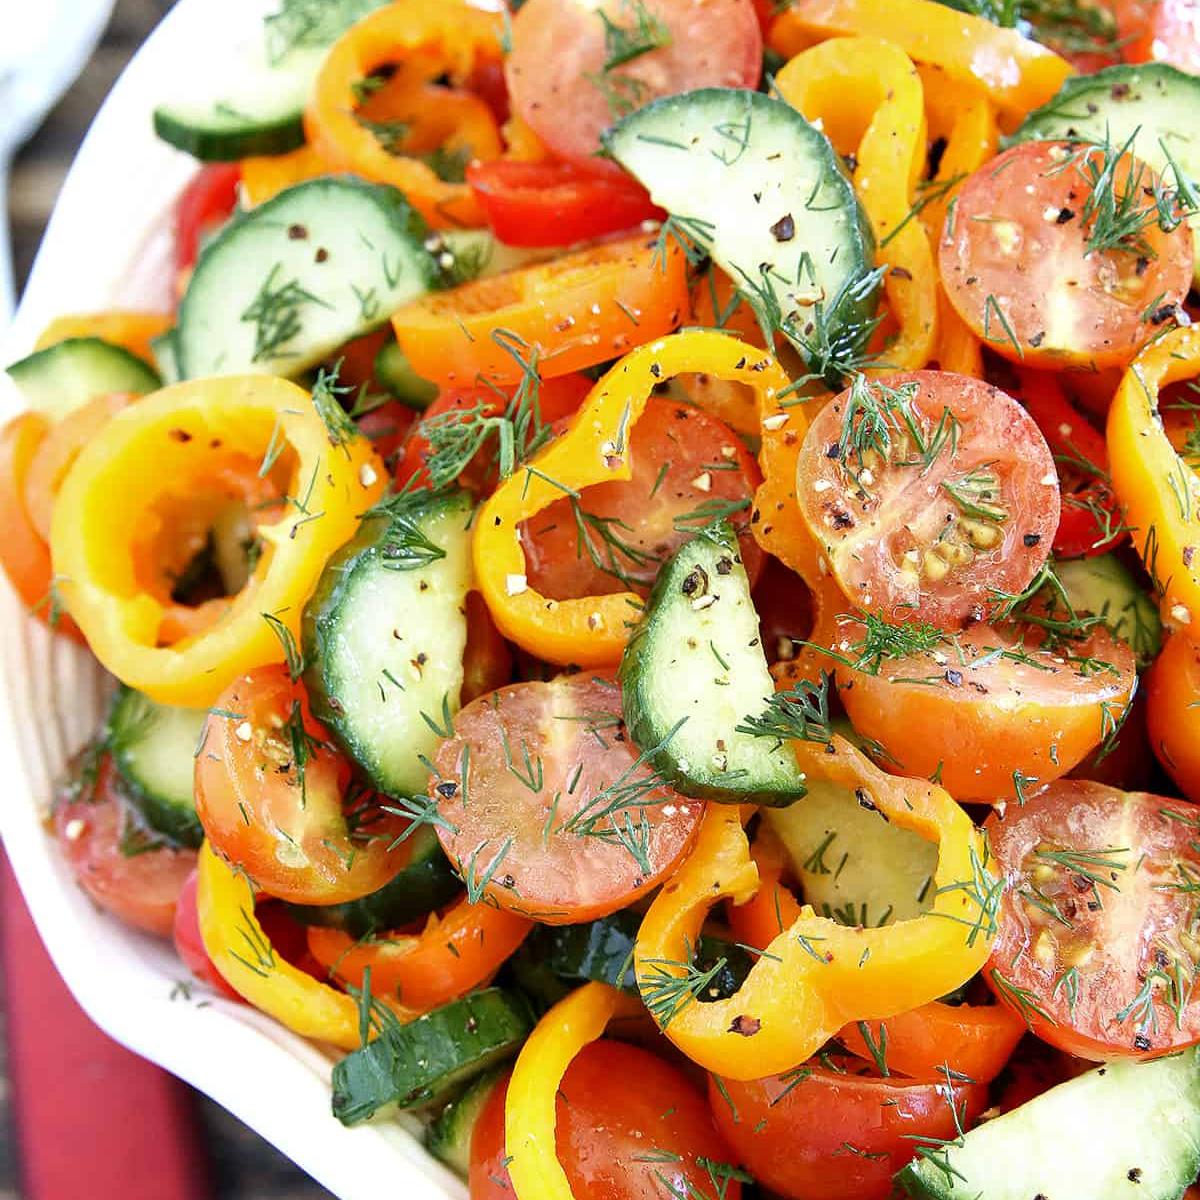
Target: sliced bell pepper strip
[270, 174]
[773, 908]
[133, 331]
[530, 1108]
[241, 950]
[592, 631]
[455, 952]
[1158, 491]
[869, 84]
[24, 555]
[112, 513]
[1017, 73]
[817, 976]
[1091, 517]
[448, 37]
[571, 313]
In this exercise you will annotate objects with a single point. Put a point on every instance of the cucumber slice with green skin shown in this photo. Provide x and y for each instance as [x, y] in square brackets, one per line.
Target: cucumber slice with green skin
[58, 380]
[448, 1139]
[1104, 587]
[394, 372]
[691, 672]
[1125, 1131]
[166, 356]
[384, 635]
[748, 179]
[281, 287]
[426, 883]
[1153, 103]
[421, 1063]
[154, 750]
[852, 864]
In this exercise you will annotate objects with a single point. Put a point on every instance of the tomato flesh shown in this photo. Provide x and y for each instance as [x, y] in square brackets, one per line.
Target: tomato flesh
[836, 1131]
[208, 201]
[615, 1141]
[189, 942]
[686, 467]
[556, 74]
[544, 807]
[1099, 938]
[274, 798]
[1160, 31]
[935, 524]
[1015, 259]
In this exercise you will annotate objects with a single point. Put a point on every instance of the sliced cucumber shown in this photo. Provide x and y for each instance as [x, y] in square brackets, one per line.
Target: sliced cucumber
[1125, 1131]
[59, 379]
[154, 749]
[1153, 103]
[1104, 587]
[166, 356]
[252, 101]
[384, 635]
[852, 863]
[418, 1064]
[394, 372]
[425, 883]
[281, 287]
[448, 1139]
[748, 179]
[693, 669]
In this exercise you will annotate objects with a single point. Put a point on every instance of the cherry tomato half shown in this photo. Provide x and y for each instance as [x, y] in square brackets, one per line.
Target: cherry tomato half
[545, 808]
[1099, 936]
[206, 203]
[189, 944]
[1160, 31]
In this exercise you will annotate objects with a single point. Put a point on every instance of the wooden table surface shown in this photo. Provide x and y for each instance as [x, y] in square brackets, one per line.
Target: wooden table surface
[245, 1167]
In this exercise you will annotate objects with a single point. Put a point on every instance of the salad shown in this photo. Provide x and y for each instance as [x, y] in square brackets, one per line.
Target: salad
[650, 578]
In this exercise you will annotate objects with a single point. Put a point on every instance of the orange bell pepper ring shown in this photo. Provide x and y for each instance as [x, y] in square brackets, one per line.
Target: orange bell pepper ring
[1017, 73]
[560, 316]
[817, 976]
[864, 83]
[1158, 491]
[592, 631]
[242, 952]
[530, 1108]
[459, 950]
[121, 502]
[132, 331]
[425, 40]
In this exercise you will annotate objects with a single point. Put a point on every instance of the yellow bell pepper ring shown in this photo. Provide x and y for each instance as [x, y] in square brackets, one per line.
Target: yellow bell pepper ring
[816, 976]
[1158, 491]
[145, 477]
[592, 631]
[530, 1107]
[242, 952]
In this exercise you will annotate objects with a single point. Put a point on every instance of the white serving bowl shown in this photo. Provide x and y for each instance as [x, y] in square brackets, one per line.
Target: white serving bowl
[109, 245]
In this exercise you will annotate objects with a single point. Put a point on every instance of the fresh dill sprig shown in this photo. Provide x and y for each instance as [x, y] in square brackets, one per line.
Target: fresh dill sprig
[291, 651]
[624, 43]
[275, 314]
[800, 713]
[392, 136]
[418, 810]
[668, 986]
[883, 640]
[307, 24]
[326, 398]
[1022, 999]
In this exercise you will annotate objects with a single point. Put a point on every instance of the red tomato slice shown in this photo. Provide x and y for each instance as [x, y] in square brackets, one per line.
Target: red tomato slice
[556, 73]
[141, 887]
[1016, 261]
[833, 1130]
[615, 1141]
[546, 808]
[989, 712]
[930, 493]
[189, 944]
[206, 203]
[557, 203]
[688, 467]
[1098, 944]
[275, 798]
[1161, 31]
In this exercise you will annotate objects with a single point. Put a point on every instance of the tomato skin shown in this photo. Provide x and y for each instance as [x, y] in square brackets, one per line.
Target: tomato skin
[514, 785]
[977, 725]
[142, 889]
[1096, 883]
[606, 1128]
[557, 203]
[1160, 31]
[688, 442]
[208, 201]
[1125, 762]
[558, 44]
[897, 539]
[794, 1139]
[1172, 720]
[292, 838]
[189, 945]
